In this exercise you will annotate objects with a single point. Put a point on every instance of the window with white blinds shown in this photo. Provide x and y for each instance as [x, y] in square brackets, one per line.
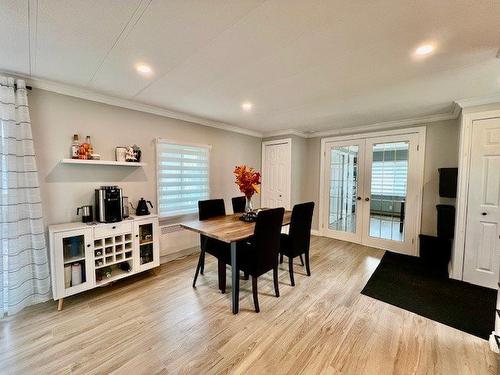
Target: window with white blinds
[389, 178]
[390, 169]
[183, 177]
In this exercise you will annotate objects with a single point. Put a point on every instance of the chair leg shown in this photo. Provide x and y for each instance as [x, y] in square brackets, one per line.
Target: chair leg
[301, 260]
[222, 275]
[290, 270]
[246, 275]
[281, 258]
[198, 267]
[202, 268]
[308, 270]
[275, 279]
[255, 294]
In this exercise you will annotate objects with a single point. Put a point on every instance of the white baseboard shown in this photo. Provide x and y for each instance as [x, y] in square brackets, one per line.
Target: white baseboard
[315, 232]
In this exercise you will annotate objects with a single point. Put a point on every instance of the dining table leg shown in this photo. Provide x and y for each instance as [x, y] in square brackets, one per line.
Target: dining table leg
[235, 274]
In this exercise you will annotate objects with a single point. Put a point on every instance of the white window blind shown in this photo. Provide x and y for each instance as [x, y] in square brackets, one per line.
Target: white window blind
[389, 178]
[183, 177]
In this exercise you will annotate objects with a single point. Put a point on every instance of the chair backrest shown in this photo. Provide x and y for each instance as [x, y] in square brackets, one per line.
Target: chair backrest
[238, 204]
[300, 227]
[267, 240]
[211, 208]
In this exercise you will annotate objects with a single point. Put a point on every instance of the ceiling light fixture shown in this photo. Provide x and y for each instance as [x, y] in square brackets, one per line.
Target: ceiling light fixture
[143, 69]
[424, 49]
[247, 106]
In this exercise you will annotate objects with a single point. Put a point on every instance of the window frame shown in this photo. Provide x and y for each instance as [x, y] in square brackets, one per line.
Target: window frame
[172, 218]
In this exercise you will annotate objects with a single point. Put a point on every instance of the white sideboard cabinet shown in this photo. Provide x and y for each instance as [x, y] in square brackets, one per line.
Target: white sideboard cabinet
[85, 256]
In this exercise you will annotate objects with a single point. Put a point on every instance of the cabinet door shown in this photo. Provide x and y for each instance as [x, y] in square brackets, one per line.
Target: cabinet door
[72, 251]
[146, 244]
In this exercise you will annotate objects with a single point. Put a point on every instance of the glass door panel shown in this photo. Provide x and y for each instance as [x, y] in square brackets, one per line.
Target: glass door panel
[389, 180]
[146, 243]
[74, 260]
[342, 190]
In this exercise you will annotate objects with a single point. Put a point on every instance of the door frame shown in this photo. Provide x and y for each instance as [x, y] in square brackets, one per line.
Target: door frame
[420, 131]
[287, 141]
[464, 150]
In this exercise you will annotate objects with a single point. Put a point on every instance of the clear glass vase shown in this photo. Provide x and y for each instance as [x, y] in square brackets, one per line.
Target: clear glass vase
[248, 204]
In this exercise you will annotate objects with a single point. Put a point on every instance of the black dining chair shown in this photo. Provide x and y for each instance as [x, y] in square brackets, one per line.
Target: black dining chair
[239, 204]
[208, 209]
[296, 242]
[260, 254]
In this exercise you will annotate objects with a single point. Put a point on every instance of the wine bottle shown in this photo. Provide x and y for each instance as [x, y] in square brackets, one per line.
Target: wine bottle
[75, 147]
[90, 149]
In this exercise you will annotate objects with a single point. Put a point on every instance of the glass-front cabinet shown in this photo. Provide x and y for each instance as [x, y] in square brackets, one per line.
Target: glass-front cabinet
[85, 256]
[146, 241]
[73, 255]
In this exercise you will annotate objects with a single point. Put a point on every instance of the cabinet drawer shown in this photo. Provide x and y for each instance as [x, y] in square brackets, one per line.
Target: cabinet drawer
[106, 230]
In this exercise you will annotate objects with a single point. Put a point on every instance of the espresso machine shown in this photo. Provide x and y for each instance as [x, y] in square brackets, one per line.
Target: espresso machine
[109, 204]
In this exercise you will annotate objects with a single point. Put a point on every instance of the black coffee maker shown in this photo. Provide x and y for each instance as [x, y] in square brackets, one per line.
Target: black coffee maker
[142, 207]
[108, 201]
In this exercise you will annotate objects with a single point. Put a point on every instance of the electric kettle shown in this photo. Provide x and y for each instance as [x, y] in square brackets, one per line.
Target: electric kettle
[87, 216]
[142, 207]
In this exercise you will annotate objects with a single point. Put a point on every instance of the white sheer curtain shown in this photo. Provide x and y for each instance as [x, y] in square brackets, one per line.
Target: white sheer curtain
[24, 268]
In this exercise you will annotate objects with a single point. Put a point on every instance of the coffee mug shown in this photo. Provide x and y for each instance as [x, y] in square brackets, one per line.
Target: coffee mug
[121, 153]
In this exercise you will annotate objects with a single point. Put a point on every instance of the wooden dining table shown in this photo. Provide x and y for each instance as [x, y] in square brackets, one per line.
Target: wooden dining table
[229, 229]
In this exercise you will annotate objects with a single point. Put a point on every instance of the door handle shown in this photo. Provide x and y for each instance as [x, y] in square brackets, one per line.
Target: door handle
[484, 213]
[358, 198]
[367, 199]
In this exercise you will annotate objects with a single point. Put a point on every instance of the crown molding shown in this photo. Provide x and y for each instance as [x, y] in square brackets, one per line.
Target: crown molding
[453, 115]
[277, 133]
[82, 93]
[479, 100]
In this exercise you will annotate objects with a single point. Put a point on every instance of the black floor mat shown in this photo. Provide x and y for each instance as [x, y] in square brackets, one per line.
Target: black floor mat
[406, 282]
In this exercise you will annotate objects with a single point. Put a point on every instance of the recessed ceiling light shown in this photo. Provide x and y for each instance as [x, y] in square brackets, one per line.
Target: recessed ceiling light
[247, 106]
[143, 69]
[424, 49]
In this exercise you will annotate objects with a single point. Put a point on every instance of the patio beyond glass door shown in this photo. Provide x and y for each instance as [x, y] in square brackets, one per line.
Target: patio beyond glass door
[369, 192]
[343, 164]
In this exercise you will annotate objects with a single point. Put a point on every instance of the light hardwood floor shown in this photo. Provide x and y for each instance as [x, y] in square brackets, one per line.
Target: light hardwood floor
[157, 323]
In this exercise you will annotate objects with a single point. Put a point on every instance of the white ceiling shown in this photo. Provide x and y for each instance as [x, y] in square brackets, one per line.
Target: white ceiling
[308, 65]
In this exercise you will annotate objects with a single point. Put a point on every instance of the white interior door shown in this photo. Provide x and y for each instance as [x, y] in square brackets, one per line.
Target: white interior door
[482, 236]
[344, 189]
[391, 191]
[276, 174]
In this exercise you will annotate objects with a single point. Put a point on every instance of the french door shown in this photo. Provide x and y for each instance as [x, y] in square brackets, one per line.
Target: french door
[372, 191]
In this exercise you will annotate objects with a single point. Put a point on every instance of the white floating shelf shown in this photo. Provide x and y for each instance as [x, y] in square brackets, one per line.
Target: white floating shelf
[103, 162]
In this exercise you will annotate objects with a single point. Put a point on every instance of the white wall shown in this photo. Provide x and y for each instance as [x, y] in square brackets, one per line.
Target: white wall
[55, 118]
[441, 151]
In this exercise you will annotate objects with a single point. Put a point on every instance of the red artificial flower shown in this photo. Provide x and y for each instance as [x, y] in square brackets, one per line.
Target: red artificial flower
[247, 179]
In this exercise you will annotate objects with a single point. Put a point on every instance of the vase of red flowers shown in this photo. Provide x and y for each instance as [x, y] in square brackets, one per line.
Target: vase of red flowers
[248, 180]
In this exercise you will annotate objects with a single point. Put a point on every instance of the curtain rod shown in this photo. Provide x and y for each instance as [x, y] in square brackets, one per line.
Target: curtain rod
[27, 87]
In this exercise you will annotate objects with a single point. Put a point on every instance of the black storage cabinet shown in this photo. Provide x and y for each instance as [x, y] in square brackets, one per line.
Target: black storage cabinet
[448, 182]
[436, 253]
[445, 221]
